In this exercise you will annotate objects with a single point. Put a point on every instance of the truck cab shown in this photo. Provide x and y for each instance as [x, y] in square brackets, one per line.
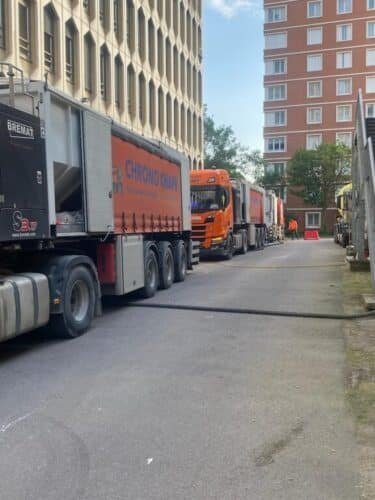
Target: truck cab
[212, 210]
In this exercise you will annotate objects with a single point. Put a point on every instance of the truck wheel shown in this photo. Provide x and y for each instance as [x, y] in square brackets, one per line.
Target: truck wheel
[257, 238]
[78, 303]
[151, 269]
[180, 262]
[244, 245]
[228, 253]
[166, 267]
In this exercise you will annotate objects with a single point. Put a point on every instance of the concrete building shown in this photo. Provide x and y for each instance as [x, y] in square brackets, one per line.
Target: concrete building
[318, 53]
[138, 61]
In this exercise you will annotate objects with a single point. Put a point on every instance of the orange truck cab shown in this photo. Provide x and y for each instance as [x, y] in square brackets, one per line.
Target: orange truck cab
[222, 217]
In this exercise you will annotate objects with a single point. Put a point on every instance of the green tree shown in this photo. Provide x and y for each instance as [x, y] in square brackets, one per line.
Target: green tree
[315, 175]
[223, 150]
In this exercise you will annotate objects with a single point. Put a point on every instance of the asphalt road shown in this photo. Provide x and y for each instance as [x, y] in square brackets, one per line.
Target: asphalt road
[169, 405]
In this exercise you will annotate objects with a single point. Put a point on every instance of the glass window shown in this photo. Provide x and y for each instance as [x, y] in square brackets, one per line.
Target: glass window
[276, 40]
[314, 36]
[314, 62]
[275, 66]
[370, 110]
[370, 84]
[344, 138]
[69, 52]
[314, 115]
[343, 32]
[314, 89]
[344, 86]
[344, 113]
[344, 60]
[370, 57]
[275, 92]
[344, 6]
[314, 9]
[370, 29]
[313, 220]
[24, 21]
[275, 118]
[276, 14]
[49, 40]
[275, 144]
[2, 25]
[370, 4]
[313, 141]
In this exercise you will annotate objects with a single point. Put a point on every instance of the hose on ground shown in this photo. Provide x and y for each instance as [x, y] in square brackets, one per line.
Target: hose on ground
[255, 312]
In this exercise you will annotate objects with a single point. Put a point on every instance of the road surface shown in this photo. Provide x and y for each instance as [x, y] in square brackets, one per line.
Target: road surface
[169, 405]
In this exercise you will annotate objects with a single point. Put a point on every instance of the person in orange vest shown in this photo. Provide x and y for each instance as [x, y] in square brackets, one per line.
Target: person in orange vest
[293, 228]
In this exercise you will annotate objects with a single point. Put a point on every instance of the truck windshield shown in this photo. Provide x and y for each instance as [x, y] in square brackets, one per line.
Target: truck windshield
[205, 198]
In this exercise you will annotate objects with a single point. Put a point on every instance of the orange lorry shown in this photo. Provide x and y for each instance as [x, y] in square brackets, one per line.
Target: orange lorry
[227, 215]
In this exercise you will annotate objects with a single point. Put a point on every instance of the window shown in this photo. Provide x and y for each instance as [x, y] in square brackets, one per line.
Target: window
[313, 141]
[343, 113]
[176, 121]
[314, 9]
[49, 39]
[344, 138]
[116, 17]
[161, 110]
[24, 20]
[130, 25]
[370, 4]
[275, 144]
[151, 43]
[315, 62]
[131, 92]
[89, 49]
[370, 84]
[314, 89]
[142, 110]
[275, 118]
[343, 86]
[370, 29]
[276, 168]
[119, 83]
[312, 220]
[370, 57]
[276, 40]
[151, 104]
[141, 35]
[275, 92]
[103, 13]
[160, 53]
[275, 66]
[314, 36]
[314, 115]
[276, 14]
[104, 73]
[70, 52]
[2, 25]
[343, 32]
[344, 60]
[344, 6]
[370, 110]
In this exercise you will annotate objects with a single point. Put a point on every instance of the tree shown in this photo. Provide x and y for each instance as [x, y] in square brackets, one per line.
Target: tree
[223, 150]
[316, 174]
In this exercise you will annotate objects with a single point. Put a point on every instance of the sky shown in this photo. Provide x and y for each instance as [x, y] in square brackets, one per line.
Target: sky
[233, 66]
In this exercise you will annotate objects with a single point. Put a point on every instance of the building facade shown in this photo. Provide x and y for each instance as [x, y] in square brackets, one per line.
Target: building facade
[138, 61]
[318, 53]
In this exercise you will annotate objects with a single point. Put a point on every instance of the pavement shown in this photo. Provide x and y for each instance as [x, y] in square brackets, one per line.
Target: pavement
[161, 404]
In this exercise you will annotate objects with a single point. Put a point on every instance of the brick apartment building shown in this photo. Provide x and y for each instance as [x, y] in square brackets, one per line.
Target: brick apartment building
[318, 53]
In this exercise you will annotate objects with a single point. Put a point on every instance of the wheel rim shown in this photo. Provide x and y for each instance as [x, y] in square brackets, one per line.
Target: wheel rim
[79, 300]
[151, 274]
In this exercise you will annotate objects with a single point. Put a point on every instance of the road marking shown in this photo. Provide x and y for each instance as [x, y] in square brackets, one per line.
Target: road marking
[12, 423]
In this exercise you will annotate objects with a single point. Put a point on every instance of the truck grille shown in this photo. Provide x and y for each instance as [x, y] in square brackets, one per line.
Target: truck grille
[199, 232]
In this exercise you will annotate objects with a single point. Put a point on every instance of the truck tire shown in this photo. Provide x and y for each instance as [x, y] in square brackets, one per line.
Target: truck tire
[151, 270]
[228, 252]
[244, 245]
[257, 239]
[166, 266]
[180, 262]
[78, 305]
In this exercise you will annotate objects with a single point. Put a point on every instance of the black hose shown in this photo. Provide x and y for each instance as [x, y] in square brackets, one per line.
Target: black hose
[255, 312]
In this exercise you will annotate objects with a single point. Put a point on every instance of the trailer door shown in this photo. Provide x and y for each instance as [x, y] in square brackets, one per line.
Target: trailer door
[98, 172]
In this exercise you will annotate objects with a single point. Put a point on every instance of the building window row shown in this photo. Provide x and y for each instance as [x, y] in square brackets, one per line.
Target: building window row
[344, 86]
[278, 144]
[277, 14]
[314, 115]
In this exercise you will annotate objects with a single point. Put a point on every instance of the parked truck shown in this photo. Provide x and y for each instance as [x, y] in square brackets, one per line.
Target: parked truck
[227, 215]
[87, 208]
